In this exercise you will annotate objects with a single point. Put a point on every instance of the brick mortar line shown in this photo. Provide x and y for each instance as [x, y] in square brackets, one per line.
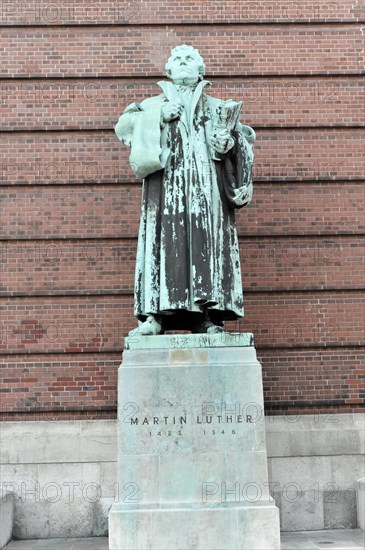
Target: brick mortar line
[259, 238]
[214, 78]
[97, 356]
[87, 293]
[108, 129]
[249, 292]
[189, 23]
[310, 181]
[322, 236]
[260, 347]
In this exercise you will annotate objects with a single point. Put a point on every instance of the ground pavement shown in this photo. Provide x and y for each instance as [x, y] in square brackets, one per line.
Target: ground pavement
[339, 539]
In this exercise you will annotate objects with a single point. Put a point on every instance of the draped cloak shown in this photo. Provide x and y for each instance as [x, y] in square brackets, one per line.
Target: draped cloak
[188, 255]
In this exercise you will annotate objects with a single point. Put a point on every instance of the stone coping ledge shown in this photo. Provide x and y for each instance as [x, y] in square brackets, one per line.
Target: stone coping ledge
[187, 341]
[193, 506]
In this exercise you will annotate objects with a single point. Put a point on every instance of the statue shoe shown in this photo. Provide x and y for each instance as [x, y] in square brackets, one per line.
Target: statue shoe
[207, 327]
[214, 329]
[150, 327]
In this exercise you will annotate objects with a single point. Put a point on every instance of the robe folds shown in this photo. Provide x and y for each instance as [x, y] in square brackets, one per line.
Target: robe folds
[188, 255]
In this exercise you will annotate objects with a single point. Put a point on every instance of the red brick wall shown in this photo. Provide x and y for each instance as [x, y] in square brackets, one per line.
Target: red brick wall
[70, 203]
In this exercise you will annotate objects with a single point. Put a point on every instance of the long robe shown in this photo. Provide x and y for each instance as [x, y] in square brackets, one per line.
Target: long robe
[188, 255]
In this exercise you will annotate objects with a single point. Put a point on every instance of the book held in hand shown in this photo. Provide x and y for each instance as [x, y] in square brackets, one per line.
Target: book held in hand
[229, 114]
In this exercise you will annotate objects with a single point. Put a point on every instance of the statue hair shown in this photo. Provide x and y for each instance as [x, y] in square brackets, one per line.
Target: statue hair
[192, 51]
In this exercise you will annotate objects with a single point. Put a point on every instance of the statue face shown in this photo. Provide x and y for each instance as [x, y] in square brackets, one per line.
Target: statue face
[184, 68]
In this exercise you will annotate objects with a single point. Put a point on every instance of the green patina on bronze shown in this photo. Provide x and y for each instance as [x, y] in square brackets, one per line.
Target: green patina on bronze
[196, 167]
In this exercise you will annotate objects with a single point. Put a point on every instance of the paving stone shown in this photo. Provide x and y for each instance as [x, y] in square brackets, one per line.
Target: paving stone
[338, 539]
[96, 543]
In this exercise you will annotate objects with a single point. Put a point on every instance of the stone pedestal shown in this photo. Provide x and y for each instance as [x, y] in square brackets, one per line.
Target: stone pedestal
[192, 465]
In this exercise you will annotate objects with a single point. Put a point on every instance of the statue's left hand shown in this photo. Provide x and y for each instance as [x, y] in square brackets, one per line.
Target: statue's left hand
[221, 141]
[243, 195]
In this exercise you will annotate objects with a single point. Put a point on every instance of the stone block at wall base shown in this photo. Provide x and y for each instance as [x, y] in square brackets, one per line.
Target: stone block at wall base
[6, 518]
[360, 500]
[339, 509]
[314, 463]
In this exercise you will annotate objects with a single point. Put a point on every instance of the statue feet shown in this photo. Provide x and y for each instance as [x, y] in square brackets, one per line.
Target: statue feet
[207, 327]
[150, 327]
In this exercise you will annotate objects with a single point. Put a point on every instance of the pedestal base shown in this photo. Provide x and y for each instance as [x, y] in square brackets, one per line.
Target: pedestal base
[221, 528]
[192, 464]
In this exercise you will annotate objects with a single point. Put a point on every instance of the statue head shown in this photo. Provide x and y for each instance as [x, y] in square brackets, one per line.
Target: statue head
[185, 65]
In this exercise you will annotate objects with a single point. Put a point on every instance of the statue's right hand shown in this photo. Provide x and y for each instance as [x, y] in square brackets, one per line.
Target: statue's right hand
[172, 111]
